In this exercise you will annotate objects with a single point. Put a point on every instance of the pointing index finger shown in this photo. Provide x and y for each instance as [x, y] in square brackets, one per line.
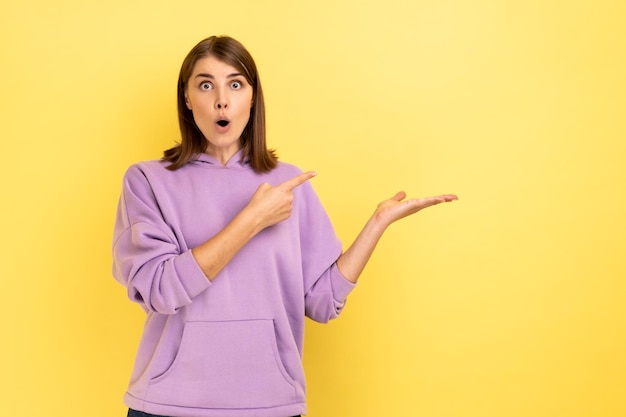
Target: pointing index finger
[298, 180]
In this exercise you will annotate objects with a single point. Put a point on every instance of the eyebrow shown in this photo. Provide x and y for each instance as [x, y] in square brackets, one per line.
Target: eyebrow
[203, 75]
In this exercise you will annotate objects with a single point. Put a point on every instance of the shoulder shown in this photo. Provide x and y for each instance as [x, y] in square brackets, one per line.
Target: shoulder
[286, 170]
[152, 168]
[144, 173]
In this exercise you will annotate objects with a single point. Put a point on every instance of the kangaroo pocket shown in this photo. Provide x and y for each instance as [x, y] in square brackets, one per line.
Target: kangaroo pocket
[225, 364]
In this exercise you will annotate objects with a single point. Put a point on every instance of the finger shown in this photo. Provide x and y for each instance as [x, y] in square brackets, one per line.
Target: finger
[400, 195]
[289, 185]
[422, 203]
[431, 201]
[444, 198]
[448, 197]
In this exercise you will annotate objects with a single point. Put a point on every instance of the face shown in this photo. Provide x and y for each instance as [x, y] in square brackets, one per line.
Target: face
[220, 99]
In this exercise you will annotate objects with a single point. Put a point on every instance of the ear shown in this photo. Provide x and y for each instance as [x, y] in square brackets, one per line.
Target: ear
[187, 102]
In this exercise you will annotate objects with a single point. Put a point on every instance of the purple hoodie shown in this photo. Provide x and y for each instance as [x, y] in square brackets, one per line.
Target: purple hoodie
[233, 346]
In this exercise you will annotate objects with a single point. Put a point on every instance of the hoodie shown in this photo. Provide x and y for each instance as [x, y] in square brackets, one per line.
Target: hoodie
[231, 347]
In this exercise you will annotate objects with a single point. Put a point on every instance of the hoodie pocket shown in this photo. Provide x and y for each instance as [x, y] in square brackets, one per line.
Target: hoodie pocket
[225, 364]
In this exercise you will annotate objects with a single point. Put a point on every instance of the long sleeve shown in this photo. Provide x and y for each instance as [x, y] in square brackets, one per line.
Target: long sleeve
[326, 289]
[327, 297]
[248, 323]
[148, 259]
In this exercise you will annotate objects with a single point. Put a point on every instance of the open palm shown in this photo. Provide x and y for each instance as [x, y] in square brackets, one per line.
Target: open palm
[397, 208]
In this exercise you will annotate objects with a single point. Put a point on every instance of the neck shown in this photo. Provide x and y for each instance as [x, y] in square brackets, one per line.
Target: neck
[223, 155]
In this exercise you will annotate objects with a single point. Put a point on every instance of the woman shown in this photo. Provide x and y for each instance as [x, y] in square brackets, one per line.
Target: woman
[227, 250]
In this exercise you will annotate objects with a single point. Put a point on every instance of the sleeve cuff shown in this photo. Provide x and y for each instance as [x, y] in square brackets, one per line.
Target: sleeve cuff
[340, 284]
[191, 276]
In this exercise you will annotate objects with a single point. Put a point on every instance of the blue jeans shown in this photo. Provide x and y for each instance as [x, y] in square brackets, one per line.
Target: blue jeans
[135, 413]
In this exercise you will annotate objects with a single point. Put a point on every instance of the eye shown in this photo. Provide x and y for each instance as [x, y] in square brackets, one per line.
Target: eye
[206, 86]
[236, 85]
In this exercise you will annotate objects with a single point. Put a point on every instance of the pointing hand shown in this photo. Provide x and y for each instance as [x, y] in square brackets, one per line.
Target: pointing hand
[273, 204]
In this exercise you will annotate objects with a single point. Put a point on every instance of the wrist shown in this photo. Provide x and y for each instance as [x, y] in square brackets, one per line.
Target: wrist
[249, 220]
[378, 223]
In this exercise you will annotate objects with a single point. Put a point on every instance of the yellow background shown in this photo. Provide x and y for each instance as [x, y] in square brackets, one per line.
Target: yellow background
[509, 302]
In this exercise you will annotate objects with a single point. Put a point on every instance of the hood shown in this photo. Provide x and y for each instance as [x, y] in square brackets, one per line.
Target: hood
[234, 162]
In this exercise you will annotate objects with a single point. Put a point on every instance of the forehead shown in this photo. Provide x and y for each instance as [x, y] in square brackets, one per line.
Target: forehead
[215, 67]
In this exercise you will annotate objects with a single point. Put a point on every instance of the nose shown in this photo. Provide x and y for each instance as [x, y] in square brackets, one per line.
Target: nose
[222, 100]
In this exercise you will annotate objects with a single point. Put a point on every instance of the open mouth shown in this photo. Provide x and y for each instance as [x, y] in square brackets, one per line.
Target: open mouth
[223, 123]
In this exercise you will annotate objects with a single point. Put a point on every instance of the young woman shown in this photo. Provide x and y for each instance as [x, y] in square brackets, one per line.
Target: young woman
[227, 250]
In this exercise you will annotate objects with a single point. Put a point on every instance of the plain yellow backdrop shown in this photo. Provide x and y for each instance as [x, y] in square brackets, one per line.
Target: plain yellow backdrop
[509, 302]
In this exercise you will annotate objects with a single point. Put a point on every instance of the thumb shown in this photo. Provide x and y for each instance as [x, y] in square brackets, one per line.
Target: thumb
[400, 195]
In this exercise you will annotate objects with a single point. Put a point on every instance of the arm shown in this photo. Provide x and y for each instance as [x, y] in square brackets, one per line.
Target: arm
[148, 259]
[352, 262]
[269, 205]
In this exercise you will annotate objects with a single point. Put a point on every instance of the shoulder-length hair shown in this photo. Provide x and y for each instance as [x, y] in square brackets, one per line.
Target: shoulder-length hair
[253, 141]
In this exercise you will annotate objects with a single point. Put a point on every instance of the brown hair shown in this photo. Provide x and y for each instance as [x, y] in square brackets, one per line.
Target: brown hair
[231, 52]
